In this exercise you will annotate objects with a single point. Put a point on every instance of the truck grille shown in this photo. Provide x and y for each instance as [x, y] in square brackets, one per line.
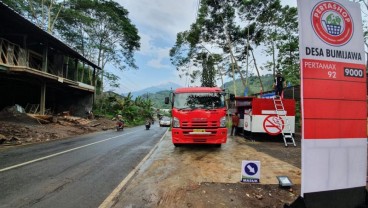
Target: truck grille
[200, 124]
[187, 132]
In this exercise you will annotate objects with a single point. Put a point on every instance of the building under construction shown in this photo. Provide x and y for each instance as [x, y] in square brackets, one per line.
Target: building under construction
[39, 72]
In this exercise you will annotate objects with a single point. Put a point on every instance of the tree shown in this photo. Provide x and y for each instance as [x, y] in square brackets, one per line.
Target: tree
[99, 29]
[276, 28]
[206, 31]
[288, 45]
[102, 31]
[19, 6]
[43, 13]
[208, 71]
[218, 26]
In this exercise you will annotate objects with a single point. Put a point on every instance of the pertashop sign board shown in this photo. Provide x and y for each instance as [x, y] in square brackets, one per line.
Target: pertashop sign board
[333, 95]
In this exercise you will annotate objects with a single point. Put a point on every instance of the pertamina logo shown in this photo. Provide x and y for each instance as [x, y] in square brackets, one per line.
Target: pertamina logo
[332, 23]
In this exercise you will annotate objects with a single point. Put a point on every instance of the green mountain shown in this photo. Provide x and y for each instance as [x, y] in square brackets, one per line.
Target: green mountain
[253, 84]
[158, 98]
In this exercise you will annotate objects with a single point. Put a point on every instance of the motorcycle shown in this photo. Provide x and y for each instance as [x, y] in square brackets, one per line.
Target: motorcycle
[119, 125]
[148, 125]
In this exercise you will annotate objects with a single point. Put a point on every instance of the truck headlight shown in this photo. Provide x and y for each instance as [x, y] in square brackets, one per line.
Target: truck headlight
[176, 122]
[223, 121]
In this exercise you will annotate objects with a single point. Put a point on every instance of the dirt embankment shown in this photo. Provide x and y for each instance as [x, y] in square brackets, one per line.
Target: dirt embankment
[18, 128]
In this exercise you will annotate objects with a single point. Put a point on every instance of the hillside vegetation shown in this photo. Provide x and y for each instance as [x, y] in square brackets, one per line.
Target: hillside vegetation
[253, 84]
[158, 99]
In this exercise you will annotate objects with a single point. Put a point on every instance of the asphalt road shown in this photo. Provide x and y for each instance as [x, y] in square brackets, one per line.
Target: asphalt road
[75, 172]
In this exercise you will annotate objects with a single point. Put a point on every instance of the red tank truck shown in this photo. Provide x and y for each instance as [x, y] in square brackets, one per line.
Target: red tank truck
[198, 116]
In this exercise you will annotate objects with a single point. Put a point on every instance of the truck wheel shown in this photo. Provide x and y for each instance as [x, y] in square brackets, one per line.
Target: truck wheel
[218, 145]
[177, 145]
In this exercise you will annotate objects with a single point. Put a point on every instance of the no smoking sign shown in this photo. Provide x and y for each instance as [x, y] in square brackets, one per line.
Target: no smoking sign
[273, 125]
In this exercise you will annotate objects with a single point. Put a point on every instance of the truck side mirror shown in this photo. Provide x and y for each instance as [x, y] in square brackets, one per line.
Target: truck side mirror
[167, 100]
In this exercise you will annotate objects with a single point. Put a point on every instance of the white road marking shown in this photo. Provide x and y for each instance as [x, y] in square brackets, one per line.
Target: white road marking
[109, 201]
[59, 153]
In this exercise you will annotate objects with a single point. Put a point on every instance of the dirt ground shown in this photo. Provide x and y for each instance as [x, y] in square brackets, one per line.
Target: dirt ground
[203, 176]
[189, 176]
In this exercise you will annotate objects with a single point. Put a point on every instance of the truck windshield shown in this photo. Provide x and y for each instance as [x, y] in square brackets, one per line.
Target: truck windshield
[198, 100]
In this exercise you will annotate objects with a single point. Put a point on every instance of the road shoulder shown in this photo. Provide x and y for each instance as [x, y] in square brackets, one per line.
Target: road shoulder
[178, 176]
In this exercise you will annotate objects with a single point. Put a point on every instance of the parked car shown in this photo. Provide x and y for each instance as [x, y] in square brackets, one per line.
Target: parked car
[165, 121]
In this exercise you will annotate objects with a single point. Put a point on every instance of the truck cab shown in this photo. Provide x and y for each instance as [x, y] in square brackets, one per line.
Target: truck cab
[198, 116]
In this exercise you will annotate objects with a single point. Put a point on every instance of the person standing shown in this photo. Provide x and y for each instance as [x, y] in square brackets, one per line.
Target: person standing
[235, 123]
[279, 84]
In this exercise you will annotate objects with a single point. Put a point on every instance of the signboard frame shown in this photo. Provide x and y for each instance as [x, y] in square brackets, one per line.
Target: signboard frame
[333, 102]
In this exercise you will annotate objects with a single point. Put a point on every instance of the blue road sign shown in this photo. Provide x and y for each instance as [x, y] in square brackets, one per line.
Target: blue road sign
[251, 169]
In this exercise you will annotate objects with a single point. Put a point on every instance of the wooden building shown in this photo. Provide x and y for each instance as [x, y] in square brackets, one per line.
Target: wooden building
[39, 72]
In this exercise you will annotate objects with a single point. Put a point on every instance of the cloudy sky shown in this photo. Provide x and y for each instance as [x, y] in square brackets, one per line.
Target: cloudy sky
[158, 22]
